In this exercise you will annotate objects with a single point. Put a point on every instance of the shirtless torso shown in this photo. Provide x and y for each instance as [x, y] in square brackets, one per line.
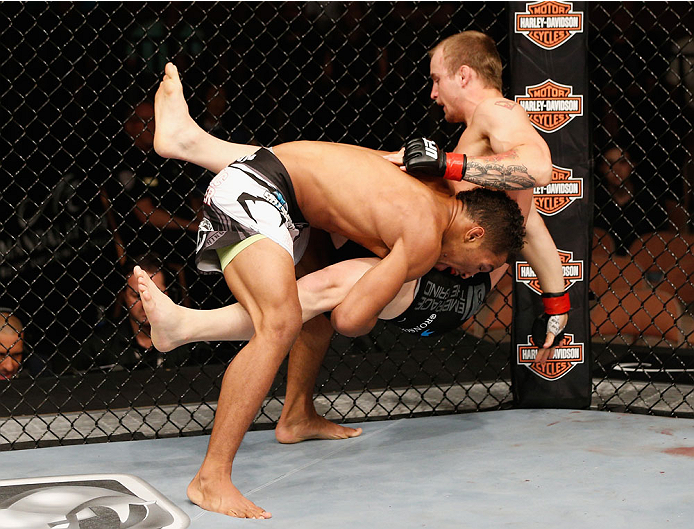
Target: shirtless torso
[484, 137]
[411, 226]
[368, 200]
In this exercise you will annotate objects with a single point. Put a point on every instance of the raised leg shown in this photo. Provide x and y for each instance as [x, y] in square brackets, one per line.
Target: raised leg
[174, 325]
[177, 136]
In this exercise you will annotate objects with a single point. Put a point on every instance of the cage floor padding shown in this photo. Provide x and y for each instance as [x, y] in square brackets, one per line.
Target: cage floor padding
[517, 468]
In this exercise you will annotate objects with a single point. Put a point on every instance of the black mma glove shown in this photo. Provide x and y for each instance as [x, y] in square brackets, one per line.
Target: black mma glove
[556, 304]
[424, 158]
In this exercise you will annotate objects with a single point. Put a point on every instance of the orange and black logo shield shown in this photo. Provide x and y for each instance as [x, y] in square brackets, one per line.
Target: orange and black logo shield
[550, 105]
[572, 270]
[549, 24]
[563, 191]
[567, 355]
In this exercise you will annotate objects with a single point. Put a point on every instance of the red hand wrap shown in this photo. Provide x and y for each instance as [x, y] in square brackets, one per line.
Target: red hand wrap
[556, 303]
[456, 165]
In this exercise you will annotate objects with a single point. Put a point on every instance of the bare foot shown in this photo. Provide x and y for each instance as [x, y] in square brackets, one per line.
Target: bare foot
[164, 316]
[315, 427]
[174, 129]
[223, 497]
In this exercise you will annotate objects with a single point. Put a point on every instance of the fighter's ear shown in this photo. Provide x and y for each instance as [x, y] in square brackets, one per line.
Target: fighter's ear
[465, 74]
[474, 234]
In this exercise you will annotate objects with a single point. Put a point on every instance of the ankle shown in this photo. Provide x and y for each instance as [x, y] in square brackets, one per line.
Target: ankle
[213, 471]
[297, 415]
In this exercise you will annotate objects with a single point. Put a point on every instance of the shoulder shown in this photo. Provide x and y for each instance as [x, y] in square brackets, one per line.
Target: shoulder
[506, 124]
[422, 245]
[499, 110]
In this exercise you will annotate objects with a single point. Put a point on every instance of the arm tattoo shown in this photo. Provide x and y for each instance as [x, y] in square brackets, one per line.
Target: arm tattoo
[499, 176]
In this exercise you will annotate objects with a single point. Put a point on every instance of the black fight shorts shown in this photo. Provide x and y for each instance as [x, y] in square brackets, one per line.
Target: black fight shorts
[442, 302]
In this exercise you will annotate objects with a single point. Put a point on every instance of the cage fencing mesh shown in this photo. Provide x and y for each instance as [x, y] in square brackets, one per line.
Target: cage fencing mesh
[84, 196]
[643, 270]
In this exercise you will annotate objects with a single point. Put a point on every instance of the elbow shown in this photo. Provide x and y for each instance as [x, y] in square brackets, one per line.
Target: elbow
[538, 162]
[350, 325]
[543, 175]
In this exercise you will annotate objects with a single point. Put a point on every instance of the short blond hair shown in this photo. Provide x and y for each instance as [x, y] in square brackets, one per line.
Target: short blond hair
[476, 50]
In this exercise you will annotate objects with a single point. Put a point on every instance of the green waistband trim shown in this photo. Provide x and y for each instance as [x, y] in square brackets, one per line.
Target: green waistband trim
[227, 254]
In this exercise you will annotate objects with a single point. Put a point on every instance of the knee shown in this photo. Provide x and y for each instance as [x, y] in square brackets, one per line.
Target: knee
[281, 326]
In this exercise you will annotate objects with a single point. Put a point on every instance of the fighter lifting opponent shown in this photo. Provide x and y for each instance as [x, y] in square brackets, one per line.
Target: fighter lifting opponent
[258, 211]
[500, 149]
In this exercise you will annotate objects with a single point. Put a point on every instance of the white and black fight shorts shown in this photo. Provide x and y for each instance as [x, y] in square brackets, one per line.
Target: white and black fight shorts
[252, 196]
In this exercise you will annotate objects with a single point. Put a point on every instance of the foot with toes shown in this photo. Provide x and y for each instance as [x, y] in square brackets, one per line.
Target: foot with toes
[174, 130]
[164, 316]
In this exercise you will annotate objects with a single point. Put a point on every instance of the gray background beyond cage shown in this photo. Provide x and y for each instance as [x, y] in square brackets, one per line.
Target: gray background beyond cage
[73, 75]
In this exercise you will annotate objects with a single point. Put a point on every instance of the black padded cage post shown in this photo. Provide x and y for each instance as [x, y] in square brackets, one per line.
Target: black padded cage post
[549, 69]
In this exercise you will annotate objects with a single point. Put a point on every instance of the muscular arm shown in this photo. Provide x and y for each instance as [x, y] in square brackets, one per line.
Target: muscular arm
[521, 160]
[541, 254]
[357, 314]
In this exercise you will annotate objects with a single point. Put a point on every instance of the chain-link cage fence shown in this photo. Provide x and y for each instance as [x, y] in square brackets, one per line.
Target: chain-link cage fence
[641, 57]
[86, 196]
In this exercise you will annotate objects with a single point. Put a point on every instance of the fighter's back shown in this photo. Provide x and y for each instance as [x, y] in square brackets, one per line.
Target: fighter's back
[355, 192]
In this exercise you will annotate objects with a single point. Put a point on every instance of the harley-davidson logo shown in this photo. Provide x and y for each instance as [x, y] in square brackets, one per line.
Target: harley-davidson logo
[550, 105]
[567, 355]
[560, 193]
[549, 24]
[572, 270]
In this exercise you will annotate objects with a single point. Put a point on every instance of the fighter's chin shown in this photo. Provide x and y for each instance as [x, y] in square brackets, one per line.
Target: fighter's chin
[446, 113]
[452, 118]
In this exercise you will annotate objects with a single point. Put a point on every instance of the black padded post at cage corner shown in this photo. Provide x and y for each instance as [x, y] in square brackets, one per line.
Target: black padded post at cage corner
[548, 56]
